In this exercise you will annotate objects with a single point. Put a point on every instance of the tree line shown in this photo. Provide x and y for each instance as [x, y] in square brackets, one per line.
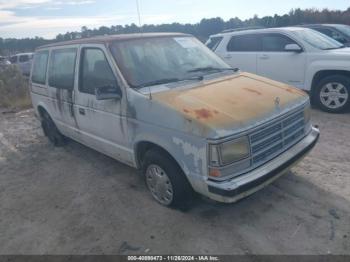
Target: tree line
[201, 30]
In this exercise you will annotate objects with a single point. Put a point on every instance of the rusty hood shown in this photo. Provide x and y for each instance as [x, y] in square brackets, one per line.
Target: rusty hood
[227, 105]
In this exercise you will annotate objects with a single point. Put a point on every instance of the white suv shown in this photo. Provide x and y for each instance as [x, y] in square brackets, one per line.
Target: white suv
[296, 56]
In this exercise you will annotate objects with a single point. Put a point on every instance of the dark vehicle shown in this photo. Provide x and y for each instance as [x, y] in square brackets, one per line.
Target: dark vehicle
[338, 32]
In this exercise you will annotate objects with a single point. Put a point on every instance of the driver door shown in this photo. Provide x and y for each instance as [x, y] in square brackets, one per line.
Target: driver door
[101, 123]
[278, 64]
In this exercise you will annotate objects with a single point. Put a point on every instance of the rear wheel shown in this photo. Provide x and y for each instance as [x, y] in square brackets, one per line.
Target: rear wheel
[332, 94]
[51, 131]
[165, 179]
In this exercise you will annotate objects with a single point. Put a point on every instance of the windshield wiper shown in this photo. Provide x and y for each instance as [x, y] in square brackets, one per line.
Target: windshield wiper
[209, 68]
[158, 82]
[168, 80]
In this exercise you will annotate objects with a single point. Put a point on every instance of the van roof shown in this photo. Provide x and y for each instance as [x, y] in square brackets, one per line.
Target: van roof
[111, 38]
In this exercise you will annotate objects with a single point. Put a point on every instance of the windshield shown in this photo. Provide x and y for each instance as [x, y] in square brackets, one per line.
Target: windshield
[151, 61]
[345, 29]
[318, 40]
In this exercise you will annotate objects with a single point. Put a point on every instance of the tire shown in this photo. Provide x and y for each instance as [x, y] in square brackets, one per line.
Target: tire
[332, 94]
[170, 177]
[51, 131]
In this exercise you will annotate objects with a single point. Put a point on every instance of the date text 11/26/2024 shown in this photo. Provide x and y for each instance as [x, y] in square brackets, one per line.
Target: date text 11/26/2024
[173, 258]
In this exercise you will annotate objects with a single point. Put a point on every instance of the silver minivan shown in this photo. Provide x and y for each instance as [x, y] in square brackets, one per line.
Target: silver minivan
[23, 61]
[167, 105]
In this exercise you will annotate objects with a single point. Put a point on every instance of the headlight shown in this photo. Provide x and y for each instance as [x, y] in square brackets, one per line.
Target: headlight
[229, 152]
[234, 151]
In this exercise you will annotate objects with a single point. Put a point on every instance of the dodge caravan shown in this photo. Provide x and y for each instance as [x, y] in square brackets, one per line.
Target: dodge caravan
[167, 105]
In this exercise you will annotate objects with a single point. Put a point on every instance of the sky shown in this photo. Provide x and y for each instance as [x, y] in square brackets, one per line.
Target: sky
[47, 18]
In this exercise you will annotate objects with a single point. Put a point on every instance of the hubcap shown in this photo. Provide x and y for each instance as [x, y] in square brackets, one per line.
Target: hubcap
[334, 95]
[159, 184]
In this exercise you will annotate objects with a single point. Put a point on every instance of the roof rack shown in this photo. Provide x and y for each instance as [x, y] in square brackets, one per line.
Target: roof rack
[242, 29]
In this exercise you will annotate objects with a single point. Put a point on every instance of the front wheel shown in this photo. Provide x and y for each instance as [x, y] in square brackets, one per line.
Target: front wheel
[165, 180]
[332, 94]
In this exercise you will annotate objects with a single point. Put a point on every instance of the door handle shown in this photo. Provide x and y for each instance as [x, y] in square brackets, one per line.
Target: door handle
[228, 56]
[82, 111]
[264, 57]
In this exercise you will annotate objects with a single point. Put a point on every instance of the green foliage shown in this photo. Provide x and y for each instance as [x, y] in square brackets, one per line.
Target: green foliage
[14, 91]
[11, 45]
[201, 30]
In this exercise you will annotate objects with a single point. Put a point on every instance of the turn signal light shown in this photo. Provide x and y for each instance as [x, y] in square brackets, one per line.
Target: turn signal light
[214, 173]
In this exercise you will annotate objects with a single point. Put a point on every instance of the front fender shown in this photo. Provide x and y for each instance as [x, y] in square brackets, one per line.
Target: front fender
[190, 152]
[324, 65]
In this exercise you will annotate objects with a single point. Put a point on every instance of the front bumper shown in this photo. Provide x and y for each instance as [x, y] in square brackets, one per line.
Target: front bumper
[244, 185]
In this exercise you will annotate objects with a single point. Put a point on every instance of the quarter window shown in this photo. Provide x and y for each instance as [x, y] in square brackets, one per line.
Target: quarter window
[62, 68]
[244, 43]
[39, 67]
[95, 71]
[275, 43]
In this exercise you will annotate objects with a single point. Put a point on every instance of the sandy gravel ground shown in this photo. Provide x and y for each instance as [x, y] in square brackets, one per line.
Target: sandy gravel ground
[73, 200]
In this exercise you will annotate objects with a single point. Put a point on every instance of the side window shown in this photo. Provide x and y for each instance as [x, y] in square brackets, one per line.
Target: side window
[275, 42]
[333, 34]
[95, 71]
[23, 58]
[214, 42]
[244, 43]
[62, 68]
[13, 59]
[39, 67]
[325, 31]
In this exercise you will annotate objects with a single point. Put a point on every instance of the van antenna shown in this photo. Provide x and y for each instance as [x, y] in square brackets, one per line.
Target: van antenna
[141, 31]
[138, 14]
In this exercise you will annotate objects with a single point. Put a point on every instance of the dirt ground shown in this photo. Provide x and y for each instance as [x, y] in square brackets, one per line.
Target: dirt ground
[73, 200]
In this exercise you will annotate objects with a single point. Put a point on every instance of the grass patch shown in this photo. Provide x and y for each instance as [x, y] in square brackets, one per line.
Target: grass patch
[14, 88]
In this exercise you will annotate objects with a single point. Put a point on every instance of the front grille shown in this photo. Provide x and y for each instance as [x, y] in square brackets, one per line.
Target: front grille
[273, 139]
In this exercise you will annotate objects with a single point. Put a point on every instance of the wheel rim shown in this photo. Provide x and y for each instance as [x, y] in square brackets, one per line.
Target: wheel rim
[334, 95]
[159, 184]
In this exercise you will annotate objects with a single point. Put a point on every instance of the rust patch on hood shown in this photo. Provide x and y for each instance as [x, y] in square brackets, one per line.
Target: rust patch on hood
[231, 101]
[203, 113]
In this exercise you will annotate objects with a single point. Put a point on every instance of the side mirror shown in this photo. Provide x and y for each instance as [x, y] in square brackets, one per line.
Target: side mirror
[293, 48]
[107, 93]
